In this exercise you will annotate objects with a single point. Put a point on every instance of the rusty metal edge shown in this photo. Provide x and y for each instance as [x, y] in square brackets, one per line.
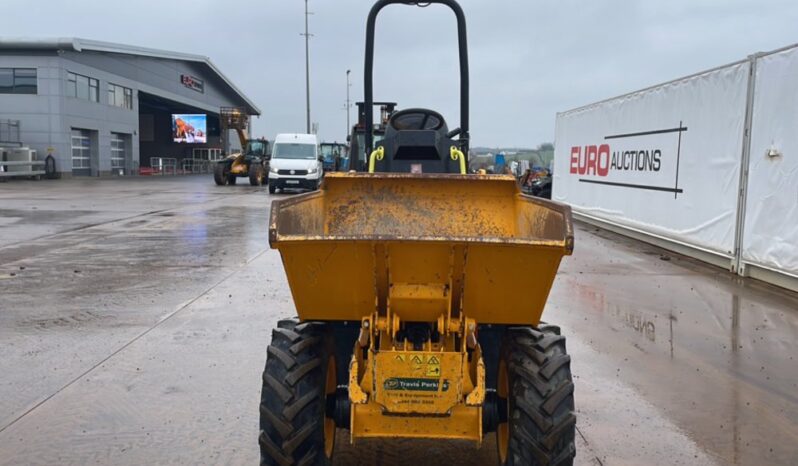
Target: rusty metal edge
[298, 239]
[565, 210]
[278, 204]
[420, 176]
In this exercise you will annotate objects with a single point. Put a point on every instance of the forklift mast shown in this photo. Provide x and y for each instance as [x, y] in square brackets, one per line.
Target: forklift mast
[386, 110]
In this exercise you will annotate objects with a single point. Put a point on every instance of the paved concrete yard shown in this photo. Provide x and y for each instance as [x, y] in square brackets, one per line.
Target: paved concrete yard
[135, 314]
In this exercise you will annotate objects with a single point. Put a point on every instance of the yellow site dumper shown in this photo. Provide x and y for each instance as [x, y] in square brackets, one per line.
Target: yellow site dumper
[419, 291]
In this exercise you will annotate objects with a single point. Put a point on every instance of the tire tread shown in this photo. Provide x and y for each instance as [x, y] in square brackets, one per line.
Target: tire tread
[542, 419]
[292, 400]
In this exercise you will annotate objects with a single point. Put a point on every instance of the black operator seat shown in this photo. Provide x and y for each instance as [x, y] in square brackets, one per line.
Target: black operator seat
[416, 141]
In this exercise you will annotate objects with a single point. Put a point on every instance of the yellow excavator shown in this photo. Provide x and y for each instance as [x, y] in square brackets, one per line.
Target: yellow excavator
[251, 162]
[419, 291]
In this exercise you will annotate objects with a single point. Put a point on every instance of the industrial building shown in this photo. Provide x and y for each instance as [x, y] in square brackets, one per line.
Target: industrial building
[101, 108]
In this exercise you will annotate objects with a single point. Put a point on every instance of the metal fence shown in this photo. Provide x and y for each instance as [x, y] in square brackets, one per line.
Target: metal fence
[163, 165]
[174, 166]
[9, 132]
[197, 166]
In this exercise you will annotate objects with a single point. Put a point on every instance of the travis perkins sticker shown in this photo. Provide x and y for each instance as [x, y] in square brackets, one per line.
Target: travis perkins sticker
[414, 384]
[644, 160]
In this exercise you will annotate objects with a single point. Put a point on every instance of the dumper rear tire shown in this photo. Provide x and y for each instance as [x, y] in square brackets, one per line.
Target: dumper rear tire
[300, 376]
[535, 391]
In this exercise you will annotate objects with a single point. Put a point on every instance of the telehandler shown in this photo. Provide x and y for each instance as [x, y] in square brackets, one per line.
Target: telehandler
[251, 162]
[419, 291]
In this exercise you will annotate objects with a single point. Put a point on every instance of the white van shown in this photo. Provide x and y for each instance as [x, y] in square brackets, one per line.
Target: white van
[295, 163]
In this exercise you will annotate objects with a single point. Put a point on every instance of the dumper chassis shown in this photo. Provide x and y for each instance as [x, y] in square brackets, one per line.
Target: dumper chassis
[406, 326]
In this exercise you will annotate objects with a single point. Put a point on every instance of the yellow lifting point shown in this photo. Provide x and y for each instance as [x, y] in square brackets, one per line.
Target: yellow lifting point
[376, 154]
[455, 154]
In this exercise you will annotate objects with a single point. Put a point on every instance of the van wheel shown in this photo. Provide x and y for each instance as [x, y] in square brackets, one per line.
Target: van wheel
[272, 188]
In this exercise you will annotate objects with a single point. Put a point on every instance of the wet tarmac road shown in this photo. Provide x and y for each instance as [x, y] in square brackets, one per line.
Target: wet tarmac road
[135, 313]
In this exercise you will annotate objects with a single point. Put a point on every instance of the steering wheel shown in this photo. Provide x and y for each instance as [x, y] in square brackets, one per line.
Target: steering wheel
[416, 119]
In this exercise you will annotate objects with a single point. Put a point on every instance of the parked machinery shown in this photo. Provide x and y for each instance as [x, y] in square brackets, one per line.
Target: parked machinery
[336, 156]
[251, 162]
[21, 162]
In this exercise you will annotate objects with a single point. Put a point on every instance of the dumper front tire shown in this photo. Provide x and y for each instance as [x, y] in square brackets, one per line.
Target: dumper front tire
[298, 379]
[535, 391]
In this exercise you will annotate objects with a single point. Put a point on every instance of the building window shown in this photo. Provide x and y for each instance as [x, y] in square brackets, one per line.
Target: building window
[120, 96]
[81, 149]
[18, 81]
[117, 151]
[83, 87]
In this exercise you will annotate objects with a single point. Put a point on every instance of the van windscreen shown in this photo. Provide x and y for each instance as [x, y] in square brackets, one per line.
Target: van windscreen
[287, 150]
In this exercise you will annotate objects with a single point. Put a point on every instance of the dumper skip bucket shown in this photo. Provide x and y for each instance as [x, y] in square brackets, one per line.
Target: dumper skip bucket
[494, 250]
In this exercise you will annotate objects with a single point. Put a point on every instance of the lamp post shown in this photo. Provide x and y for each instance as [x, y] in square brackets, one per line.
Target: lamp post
[347, 101]
[307, 68]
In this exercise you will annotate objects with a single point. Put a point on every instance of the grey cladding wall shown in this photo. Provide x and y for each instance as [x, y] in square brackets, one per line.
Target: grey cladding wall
[161, 76]
[47, 118]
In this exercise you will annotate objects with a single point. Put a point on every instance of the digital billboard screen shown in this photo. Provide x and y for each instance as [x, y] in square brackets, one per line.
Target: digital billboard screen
[190, 128]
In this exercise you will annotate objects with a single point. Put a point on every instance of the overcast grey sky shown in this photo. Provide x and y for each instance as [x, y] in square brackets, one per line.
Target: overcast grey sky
[529, 59]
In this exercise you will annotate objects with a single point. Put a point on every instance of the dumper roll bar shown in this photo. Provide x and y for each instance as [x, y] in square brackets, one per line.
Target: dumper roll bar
[368, 88]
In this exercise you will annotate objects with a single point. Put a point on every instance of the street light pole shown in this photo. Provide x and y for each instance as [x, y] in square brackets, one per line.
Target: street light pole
[348, 128]
[307, 68]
